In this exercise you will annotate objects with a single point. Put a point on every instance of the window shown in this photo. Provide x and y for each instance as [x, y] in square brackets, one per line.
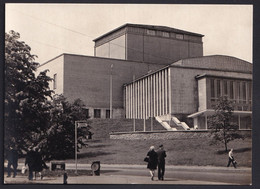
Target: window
[244, 92]
[250, 92]
[231, 90]
[86, 112]
[97, 113]
[150, 32]
[107, 113]
[218, 89]
[225, 88]
[238, 91]
[179, 36]
[212, 89]
[165, 34]
[55, 81]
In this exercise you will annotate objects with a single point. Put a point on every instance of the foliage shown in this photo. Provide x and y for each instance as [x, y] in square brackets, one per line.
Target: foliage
[60, 139]
[223, 129]
[32, 117]
[26, 104]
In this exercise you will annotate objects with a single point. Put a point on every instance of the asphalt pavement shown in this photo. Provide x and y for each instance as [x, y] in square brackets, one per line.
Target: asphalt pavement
[138, 174]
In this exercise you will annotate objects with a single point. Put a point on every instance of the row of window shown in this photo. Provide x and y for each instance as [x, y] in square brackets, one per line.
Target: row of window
[97, 113]
[240, 91]
[164, 34]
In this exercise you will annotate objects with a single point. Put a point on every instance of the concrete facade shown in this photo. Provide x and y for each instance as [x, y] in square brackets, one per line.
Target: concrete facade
[183, 88]
[153, 71]
[146, 43]
[88, 78]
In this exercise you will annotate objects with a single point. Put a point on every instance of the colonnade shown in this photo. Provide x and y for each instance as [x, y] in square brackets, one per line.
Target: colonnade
[149, 96]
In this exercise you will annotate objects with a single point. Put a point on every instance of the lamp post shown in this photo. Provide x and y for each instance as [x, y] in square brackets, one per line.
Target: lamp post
[78, 124]
[111, 90]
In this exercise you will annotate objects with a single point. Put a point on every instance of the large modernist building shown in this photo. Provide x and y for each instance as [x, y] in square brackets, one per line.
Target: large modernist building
[154, 71]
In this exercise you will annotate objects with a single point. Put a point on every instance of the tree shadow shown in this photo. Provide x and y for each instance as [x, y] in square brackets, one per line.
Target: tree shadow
[93, 154]
[239, 150]
[98, 146]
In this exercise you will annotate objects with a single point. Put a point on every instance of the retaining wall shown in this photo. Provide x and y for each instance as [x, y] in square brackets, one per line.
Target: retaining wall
[190, 134]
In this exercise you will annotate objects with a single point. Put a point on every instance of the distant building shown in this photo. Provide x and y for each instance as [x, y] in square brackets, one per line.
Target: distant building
[156, 71]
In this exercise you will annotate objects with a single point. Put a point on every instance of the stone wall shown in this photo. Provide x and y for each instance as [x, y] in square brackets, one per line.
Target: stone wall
[167, 135]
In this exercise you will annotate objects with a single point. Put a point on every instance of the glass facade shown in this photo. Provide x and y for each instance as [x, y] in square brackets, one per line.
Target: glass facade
[236, 90]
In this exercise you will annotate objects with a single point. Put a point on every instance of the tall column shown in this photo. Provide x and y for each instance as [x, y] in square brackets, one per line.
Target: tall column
[126, 101]
[143, 99]
[149, 97]
[139, 100]
[163, 92]
[131, 101]
[160, 92]
[157, 94]
[154, 95]
[135, 99]
[170, 90]
[206, 122]
[166, 90]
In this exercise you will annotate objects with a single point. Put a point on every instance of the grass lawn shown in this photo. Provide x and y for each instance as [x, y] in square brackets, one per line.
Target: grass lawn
[179, 152]
[196, 152]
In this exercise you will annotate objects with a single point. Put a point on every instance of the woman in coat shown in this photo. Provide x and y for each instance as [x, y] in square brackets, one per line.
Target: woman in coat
[39, 164]
[152, 163]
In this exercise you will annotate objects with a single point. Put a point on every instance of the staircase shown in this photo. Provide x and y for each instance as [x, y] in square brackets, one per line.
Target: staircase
[172, 123]
[102, 127]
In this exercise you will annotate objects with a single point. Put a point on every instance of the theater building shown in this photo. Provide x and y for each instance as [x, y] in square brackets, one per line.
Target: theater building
[153, 71]
[189, 89]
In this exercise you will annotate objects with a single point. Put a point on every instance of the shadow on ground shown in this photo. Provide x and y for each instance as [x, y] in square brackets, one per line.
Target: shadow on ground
[93, 154]
[239, 150]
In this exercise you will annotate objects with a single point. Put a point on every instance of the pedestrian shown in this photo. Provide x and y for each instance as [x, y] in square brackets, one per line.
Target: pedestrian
[39, 164]
[12, 158]
[231, 158]
[29, 160]
[65, 177]
[161, 153]
[152, 161]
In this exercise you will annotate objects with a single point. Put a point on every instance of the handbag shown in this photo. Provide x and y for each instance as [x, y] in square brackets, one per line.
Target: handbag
[146, 159]
[24, 169]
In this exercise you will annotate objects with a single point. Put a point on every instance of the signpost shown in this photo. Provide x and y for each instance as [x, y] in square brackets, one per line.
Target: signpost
[78, 124]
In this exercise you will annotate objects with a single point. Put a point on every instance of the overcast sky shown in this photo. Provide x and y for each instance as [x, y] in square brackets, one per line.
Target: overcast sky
[53, 29]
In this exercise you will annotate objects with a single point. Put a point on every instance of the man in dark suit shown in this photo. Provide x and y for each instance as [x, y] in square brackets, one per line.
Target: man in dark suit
[161, 162]
[12, 158]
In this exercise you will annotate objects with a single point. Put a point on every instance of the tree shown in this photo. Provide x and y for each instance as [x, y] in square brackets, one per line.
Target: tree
[26, 95]
[60, 139]
[32, 117]
[223, 129]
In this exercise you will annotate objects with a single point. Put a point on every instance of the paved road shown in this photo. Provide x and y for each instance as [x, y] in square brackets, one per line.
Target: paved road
[138, 174]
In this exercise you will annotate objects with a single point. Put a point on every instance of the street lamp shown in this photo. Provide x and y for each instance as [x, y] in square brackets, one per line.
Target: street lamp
[111, 90]
[78, 124]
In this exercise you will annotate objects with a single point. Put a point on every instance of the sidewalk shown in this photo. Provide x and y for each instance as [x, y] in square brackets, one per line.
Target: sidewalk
[106, 179]
[80, 166]
[138, 174]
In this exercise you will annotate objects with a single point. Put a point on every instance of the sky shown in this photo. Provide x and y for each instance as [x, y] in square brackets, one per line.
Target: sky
[53, 29]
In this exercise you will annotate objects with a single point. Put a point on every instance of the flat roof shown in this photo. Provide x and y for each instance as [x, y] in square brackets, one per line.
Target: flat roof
[211, 112]
[152, 27]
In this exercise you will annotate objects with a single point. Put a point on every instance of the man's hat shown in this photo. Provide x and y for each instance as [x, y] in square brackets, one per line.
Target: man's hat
[161, 146]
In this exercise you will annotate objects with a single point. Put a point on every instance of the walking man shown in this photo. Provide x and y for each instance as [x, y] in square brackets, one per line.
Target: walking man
[161, 162]
[12, 158]
[231, 159]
